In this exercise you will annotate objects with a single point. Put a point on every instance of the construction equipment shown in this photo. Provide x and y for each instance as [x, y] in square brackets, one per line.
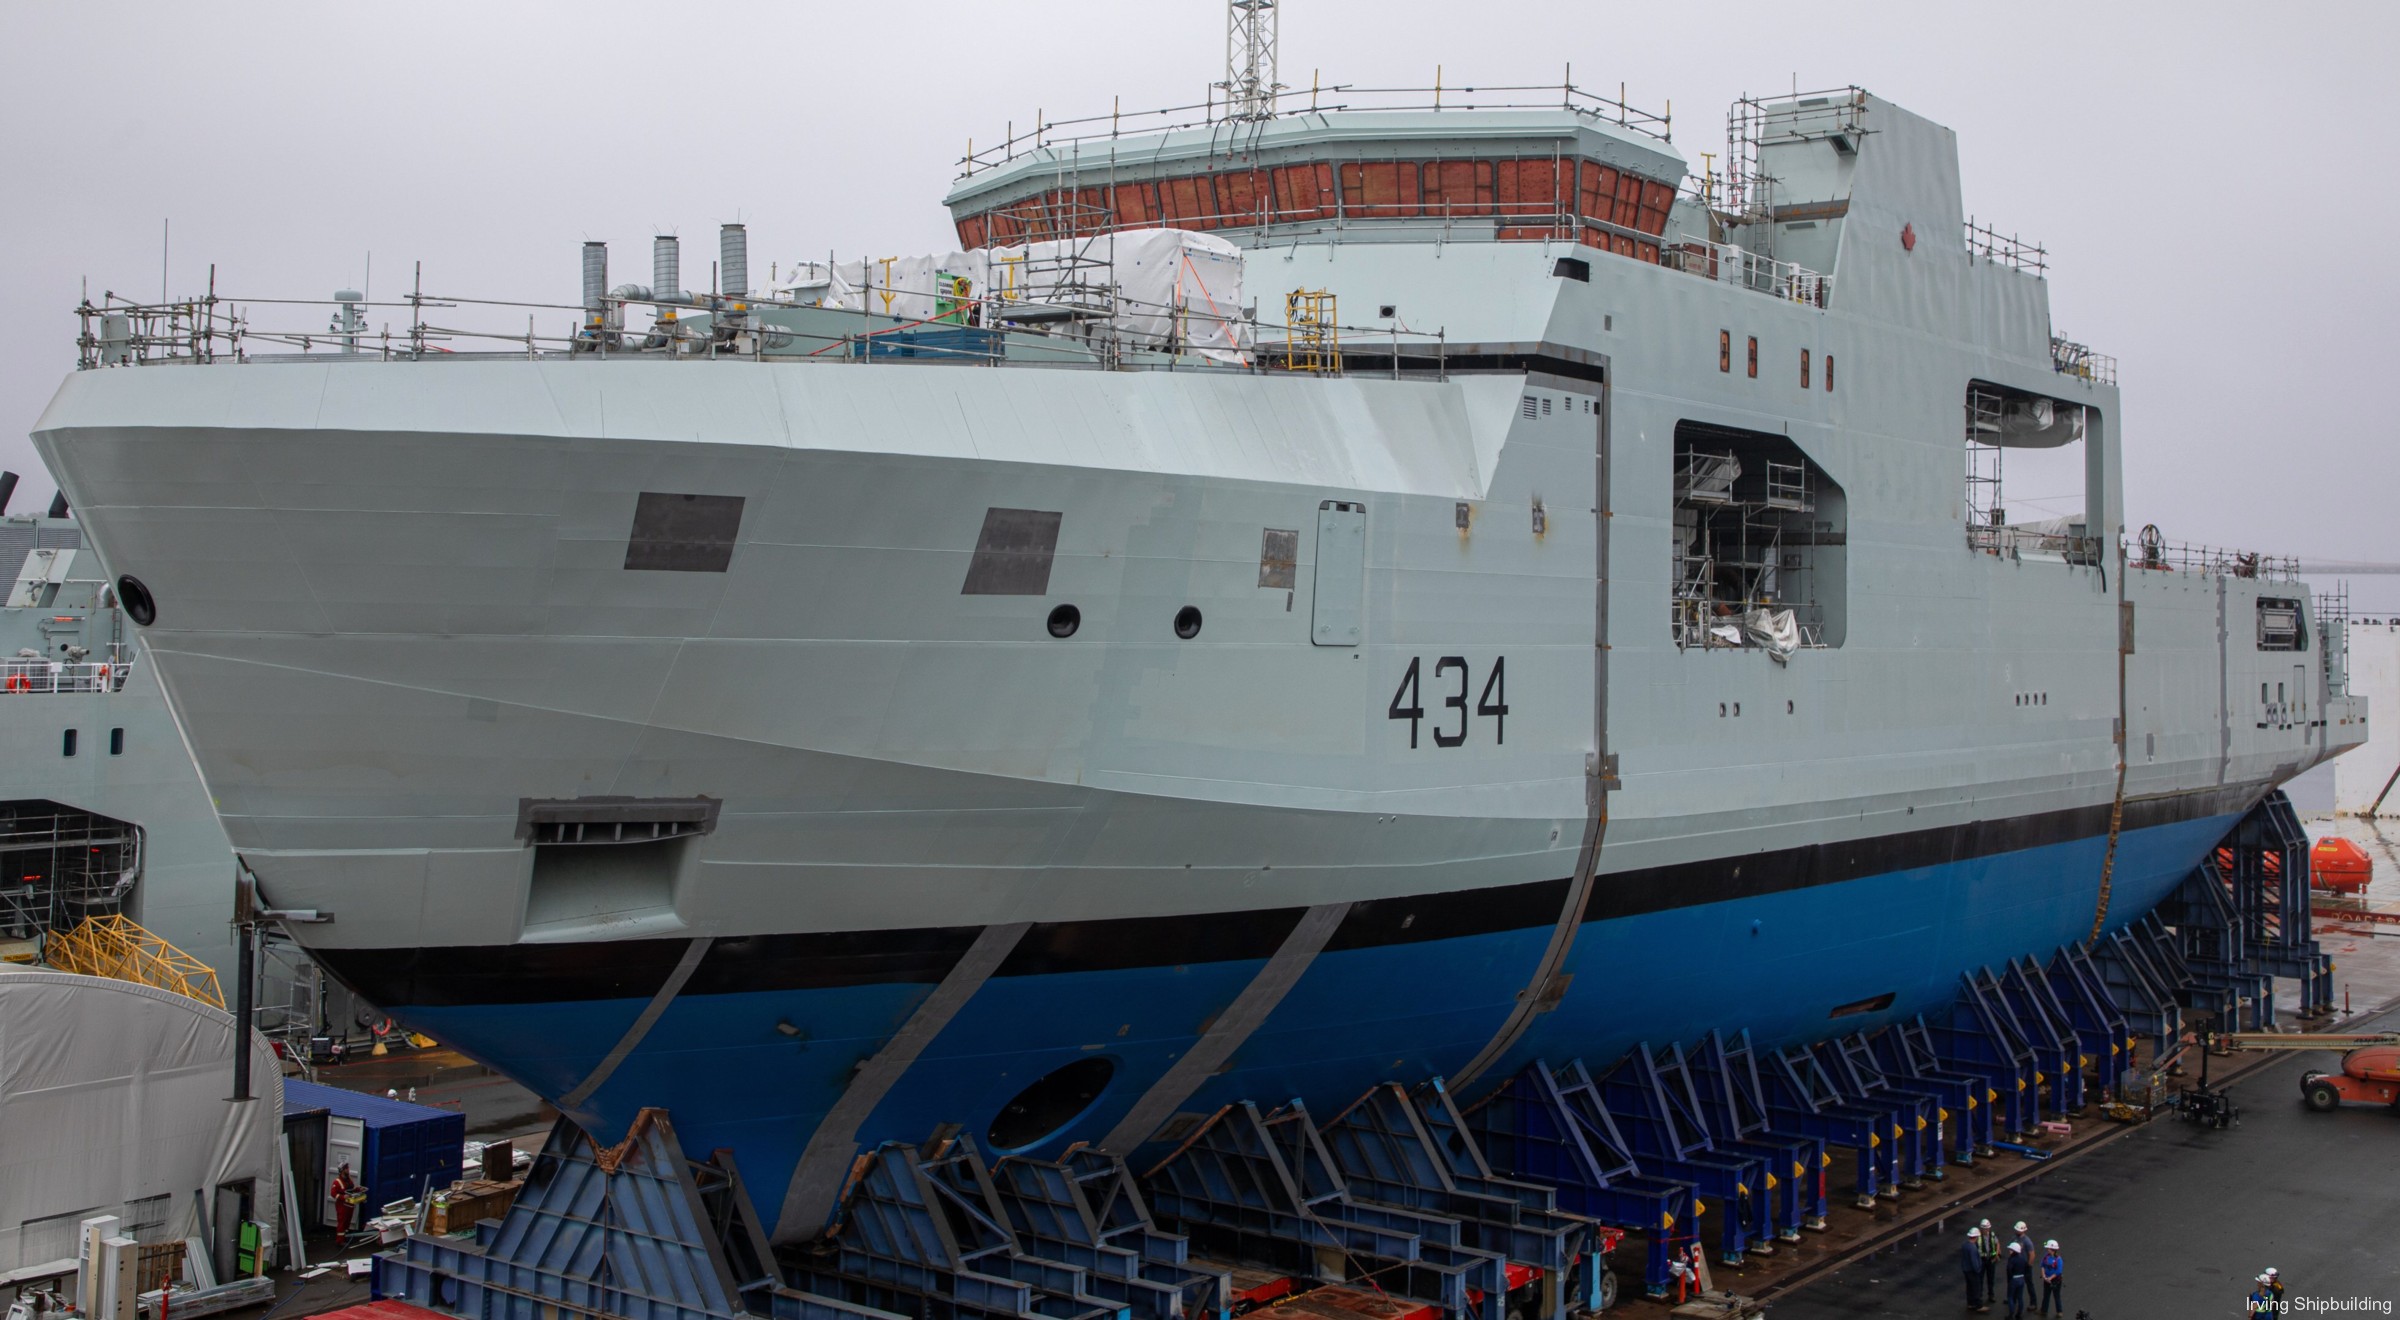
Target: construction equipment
[2370, 1064]
[112, 946]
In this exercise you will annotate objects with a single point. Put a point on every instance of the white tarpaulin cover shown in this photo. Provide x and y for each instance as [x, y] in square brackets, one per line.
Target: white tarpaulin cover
[1171, 285]
[1775, 630]
[113, 1095]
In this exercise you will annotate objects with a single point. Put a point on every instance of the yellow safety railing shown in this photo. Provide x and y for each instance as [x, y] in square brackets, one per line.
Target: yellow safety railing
[114, 947]
[1312, 336]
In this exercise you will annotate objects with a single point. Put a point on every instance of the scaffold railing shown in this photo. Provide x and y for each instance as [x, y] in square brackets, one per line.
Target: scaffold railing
[1320, 98]
[113, 946]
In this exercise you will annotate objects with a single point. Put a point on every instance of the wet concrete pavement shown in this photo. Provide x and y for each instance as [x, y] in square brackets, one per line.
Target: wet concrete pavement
[494, 1106]
[2172, 1221]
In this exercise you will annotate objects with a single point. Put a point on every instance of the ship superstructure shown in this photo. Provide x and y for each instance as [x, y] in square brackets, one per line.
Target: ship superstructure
[1555, 607]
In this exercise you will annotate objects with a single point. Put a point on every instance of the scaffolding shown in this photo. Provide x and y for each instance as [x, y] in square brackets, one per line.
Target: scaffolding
[114, 947]
[60, 866]
[1754, 124]
[1736, 546]
[1986, 516]
[1312, 336]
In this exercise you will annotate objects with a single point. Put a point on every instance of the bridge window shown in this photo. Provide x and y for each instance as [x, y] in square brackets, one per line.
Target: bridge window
[1539, 198]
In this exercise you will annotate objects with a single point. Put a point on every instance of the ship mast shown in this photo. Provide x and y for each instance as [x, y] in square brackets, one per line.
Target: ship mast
[1250, 42]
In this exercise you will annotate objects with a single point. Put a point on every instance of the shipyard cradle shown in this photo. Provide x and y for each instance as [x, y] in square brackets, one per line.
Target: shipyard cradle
[1555, 606]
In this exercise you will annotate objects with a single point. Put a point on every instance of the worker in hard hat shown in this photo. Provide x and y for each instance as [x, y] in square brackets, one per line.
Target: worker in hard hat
[2053, 1270]
[2262, 1301]
[2024, 1241]
[2020, 1275]
[1970, 1264]
[344, 1182]
[2274, 1284]
[1991, 1259]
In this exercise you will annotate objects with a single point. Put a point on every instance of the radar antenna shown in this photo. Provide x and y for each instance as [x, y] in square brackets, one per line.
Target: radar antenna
[1250, 41]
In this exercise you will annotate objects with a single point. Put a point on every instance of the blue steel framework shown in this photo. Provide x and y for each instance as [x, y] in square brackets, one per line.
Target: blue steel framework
[1405, 1191]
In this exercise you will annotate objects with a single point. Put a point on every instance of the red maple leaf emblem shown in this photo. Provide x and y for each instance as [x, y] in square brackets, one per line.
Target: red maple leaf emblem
[1908, 238]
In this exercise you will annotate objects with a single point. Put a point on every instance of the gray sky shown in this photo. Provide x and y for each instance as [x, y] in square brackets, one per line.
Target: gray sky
[2193, 168]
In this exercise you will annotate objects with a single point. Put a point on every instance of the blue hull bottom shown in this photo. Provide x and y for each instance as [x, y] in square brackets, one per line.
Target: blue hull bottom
[755, 1072]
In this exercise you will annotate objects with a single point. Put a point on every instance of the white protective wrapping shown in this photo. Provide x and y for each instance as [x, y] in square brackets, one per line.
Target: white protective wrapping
[1172, 285]
[113, 1093]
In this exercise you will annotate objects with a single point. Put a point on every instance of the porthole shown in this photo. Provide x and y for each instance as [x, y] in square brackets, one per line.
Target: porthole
[136, 597]
[1187, 623]
[1038, 1112]
[1065, 620]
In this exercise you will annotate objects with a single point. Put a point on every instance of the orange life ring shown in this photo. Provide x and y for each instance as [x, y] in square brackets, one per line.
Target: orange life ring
[19, 683]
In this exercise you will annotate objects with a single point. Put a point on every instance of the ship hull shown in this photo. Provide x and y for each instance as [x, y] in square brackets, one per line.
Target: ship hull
[953, 851]
[753, 1053]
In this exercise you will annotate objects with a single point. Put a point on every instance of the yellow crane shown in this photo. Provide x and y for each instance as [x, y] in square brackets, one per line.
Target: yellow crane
[115, 947]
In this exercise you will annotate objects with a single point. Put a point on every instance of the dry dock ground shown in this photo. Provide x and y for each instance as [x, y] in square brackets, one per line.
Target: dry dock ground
[2168, 1221]
[2158, 1222]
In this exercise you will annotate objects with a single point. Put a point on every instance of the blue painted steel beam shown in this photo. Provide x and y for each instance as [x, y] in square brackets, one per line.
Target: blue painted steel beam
[1800, 1096]
[1923, 1119]
[1548, 1125]
[1906, 1052]
[1733, 1105]
[1668, 1143]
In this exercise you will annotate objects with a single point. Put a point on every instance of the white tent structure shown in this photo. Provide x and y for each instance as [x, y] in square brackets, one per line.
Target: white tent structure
[1157, 287]
[113, 1101]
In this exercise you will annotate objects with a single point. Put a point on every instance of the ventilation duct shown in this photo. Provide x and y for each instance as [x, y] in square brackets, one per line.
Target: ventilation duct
[733, 259]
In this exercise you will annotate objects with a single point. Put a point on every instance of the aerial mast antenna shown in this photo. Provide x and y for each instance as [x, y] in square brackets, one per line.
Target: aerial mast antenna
[1250, 46]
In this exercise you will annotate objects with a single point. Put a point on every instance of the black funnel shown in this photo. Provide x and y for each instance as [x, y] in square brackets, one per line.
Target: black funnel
[8, 488]
[58, 505]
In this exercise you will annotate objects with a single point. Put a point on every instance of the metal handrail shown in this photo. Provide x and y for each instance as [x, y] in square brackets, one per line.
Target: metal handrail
[21, 677]
[2007, 249]
[1213, 113]
[2069, 358]
[1787, 280]
[2177, 557]
[219, 328]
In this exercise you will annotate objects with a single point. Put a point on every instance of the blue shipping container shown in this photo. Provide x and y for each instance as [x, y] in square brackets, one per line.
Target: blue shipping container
[404, 1150]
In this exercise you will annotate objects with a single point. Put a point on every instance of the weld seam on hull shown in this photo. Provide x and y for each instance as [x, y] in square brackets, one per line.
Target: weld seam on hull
[673, 985]
[817, 1180]
[1243, 1016]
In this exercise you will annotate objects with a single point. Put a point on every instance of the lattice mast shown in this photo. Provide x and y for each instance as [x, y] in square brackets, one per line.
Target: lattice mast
[1250, 49]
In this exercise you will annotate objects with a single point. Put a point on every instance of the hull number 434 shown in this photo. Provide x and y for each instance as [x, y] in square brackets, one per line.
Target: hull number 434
[1451, 720]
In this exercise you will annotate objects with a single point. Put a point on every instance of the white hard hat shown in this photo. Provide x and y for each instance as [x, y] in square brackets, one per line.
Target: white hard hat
[2051, 1245]
[2270, 1271]
[1987, 1223]
[2016, 1247]
[2020, 1225]
[1974, 1232]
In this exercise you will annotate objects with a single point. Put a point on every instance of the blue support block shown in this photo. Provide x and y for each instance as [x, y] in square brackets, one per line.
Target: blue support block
[1666, 1139]
[1733, 1100]
[923, 1232]
[636, 1231]
[1085, 1209]
[1964, 1122]
[1800, 1096]
[1789, 1163]
[1978, 1036]
[1414, 1149]
[2043, 1019]
[1923, 1119]
[1549, 1126]
[2101, 1031]
[2140, 990]
[1263, 1189]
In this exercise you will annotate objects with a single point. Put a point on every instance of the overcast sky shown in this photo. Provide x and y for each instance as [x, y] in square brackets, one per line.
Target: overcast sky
[2211, 179]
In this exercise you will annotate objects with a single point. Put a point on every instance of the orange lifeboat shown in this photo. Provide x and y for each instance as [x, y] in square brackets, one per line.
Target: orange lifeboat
[2339, 865]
